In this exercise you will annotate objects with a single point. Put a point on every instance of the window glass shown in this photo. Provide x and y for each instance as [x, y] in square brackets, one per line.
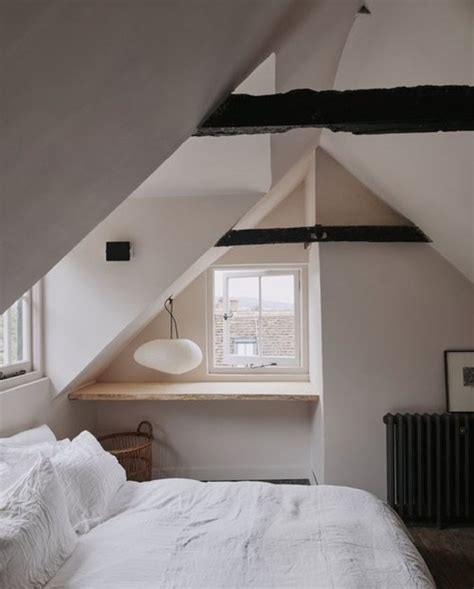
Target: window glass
[16, 332]
[241, 319]
[15, 337]
[256, 318]
[278, 316]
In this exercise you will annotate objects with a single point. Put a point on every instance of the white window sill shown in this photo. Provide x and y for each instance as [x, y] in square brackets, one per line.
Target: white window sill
[272, 372]
[17, 381]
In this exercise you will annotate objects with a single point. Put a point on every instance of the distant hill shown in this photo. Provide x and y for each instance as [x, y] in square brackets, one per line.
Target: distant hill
[251, 304]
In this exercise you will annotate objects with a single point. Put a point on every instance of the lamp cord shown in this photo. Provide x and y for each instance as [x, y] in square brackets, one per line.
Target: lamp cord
[169, 310]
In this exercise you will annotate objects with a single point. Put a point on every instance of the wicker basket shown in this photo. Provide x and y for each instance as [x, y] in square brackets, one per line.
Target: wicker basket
[132, 450]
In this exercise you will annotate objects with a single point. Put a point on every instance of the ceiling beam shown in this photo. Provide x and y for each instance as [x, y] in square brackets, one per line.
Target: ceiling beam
[419, 109]
[324, 233]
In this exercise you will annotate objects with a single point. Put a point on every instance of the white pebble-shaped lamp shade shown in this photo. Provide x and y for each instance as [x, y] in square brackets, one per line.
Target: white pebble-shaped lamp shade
[174, 356]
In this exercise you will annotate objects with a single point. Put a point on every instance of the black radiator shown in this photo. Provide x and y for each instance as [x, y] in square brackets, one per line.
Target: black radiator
[430, 467]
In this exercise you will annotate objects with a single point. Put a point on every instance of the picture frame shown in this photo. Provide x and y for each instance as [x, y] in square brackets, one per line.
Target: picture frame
[459, 377]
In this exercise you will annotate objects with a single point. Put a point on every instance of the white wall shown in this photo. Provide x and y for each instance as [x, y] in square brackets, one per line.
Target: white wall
[317, 449]
[220, 439]
[33, 404]
[217, 439]
[343, 200]
[338, 198]
[388, 313]
[190, 306]
[89, 302]
[381, 315]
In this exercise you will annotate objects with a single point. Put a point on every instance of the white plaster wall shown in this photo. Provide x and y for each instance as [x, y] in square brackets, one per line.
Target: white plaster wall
[220, 439]
[388, 313]
[217, 439]
[89, 302]
[344, 200]
[34, 404]
[190, 306]
[316, 364]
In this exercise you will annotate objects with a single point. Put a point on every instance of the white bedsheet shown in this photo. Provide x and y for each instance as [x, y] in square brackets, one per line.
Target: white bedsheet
[178, 534]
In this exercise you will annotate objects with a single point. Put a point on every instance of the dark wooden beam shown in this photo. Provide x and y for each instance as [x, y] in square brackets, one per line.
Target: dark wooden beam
[323, 233]
[419, 109]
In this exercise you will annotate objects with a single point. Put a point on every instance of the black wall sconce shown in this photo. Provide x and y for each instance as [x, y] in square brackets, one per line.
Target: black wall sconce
[118, 251]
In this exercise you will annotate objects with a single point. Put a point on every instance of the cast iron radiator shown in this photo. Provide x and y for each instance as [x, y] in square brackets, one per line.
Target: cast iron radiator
[430, 467]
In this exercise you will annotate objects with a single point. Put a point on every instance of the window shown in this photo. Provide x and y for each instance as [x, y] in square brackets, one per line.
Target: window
[18, 336]
[256, 320]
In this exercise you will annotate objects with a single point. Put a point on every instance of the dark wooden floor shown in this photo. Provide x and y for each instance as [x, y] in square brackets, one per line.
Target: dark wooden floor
[449, 555]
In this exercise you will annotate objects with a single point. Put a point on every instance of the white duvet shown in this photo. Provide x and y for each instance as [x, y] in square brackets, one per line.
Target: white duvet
[181, 534]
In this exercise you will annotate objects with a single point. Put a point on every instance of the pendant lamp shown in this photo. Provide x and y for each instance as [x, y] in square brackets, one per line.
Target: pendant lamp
[174, 355]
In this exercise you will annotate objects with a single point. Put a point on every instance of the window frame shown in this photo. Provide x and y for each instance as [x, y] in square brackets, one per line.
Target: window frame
[285, 367]
[32, 299]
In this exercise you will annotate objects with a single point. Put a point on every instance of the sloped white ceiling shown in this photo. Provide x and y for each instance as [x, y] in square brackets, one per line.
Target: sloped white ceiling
[205, 166]
[427, 177]
[310, 60]
[95, 96]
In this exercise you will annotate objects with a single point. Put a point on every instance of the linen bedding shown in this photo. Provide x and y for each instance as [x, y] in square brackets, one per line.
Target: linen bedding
[179, 533]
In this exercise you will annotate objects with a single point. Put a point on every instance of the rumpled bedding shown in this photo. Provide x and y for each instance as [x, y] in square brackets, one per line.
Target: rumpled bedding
[177, 534]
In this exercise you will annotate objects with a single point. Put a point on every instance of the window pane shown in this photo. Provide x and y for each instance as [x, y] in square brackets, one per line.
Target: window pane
[243, 316]
[278, 316]
[255, 318]
[16, 332]
[218, 324]
[244, 346]
[13, 348]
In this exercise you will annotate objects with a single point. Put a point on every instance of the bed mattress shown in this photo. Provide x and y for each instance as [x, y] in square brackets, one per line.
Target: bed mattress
[178, 533]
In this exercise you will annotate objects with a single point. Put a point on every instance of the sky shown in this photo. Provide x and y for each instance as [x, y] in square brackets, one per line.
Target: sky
[277, 289]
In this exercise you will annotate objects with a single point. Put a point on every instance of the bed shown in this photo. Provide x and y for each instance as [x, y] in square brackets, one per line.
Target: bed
[178, 533]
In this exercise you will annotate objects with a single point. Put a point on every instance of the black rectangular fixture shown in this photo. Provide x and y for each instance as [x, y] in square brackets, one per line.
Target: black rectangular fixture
[417, 109]
[118, 251]
[324, 233]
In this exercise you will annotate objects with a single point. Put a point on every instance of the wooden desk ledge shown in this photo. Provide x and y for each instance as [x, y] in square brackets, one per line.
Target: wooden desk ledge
[197, 391]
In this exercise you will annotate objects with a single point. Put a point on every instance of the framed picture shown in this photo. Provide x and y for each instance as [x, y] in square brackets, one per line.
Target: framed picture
[459, 373]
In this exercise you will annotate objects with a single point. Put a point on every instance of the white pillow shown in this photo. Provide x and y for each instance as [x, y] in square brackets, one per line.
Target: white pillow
[36, 536]
[90, 477]
[31, 436]
[15, 461]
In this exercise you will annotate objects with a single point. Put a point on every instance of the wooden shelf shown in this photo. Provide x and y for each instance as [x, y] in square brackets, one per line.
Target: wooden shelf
[196, 391]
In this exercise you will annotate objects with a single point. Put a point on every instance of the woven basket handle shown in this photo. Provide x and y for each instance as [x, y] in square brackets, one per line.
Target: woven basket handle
[149, 427]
